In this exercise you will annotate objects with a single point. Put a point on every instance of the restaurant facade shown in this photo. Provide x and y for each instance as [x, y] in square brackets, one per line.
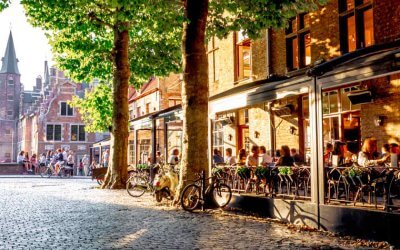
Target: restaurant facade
[331, 76]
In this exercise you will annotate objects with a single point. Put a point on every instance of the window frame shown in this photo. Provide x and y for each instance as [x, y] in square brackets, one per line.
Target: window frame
[53, 132]
[78, 133]
[245, 42]
[299, 33]
[67, 109]
[358, 12]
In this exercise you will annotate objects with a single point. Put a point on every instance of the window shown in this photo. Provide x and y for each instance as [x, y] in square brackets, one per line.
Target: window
[243, 56]
[78, 133]
[66, 110]
[356, 24]
[147, 108]
[8, 132]
[10, 113]
[10, 98]
[53, 132]
[138, 111]
[243, 116]
[345, 101]
[330, 102]
[10, 81]
[131, 157]
[173, 102]
[218, 136]
[213, 60]
[298, 42]
[7, 155]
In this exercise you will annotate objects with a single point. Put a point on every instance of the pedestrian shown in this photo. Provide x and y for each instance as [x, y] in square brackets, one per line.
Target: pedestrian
[265, 159]
[71, 162]
[34, 164]
[20, 161]
[27, 163]
[85, 162]
[174, 158]
[80, 168]
[106, 157]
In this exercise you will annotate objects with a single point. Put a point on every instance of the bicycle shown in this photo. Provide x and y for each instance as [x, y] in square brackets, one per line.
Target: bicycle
[195, 193]
[139, 182]
[49, 171]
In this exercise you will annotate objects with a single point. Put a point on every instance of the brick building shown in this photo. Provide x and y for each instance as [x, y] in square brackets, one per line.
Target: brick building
[47, 122]
[331, 75]
[10, 86]
[155, 123]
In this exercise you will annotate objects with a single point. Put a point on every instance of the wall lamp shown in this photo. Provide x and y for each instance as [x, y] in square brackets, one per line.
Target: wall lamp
[256, 134]
[379, 120]
[292, 130]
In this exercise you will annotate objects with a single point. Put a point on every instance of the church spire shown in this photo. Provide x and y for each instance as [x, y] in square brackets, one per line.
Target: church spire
[10, 59]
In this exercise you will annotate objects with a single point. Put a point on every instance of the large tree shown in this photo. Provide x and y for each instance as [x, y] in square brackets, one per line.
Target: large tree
[3, 4]
[120, 42]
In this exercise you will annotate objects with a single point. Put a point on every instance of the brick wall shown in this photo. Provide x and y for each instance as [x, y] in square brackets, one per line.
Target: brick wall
[259, 126]
[278, 52]
[386, 104]
[10, 169]
[386, 20]
[259, 57]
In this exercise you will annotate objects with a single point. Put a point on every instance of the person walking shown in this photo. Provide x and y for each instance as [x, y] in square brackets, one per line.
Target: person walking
[85, 163]
[71, 163]
[106, 157]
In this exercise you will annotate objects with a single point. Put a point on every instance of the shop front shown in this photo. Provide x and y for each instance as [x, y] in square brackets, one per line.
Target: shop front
[342, 119]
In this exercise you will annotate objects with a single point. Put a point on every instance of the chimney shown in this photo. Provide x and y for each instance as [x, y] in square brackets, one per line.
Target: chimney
[38, 83]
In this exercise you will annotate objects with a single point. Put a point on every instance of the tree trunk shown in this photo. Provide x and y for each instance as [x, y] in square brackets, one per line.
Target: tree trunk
[118, 163]
[194, 93]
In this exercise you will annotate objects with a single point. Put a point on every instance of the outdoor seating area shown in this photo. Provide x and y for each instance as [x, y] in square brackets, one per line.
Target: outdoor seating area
[283, 181]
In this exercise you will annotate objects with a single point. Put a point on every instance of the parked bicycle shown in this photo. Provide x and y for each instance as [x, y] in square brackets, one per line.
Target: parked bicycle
[50, 170]
[139, 182]
[194, 194]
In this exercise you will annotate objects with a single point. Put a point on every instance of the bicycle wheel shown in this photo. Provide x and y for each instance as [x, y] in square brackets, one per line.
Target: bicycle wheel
[222, 194]
[190, 197]
[45, 172]
[100, 179]
[136, 186]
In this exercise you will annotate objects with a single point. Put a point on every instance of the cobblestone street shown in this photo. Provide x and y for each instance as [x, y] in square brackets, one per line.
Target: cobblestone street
[73, 214]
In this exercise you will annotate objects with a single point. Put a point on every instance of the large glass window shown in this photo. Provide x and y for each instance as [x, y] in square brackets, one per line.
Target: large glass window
[298, 42]
[356, 24]
[53, 132]
[78, 133]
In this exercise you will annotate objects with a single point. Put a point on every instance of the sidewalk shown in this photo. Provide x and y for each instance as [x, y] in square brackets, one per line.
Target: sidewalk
[38, 176]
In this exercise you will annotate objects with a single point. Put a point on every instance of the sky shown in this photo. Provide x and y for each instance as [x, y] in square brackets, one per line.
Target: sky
[31, 45]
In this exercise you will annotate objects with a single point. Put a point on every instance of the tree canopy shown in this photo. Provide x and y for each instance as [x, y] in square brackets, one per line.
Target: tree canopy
[3, 4]
[82, 38]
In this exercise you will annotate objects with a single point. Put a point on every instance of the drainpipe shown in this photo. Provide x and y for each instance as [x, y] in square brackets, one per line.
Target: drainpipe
[268, 51]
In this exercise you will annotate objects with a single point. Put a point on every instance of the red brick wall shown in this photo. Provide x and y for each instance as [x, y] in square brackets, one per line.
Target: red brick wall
[386, 20]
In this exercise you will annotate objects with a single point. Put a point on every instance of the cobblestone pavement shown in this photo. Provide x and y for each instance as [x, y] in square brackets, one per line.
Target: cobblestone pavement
[75, 214]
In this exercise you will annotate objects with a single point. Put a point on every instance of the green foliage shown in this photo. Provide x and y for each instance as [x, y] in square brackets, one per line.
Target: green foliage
[285, 171]
[95, 108]
[253, 16]
[142, 167]
[261, 171]
[81, 33]
[243, 172]
[3, 4]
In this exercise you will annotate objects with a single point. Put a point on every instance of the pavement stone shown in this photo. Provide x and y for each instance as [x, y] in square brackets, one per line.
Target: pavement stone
[74, 214]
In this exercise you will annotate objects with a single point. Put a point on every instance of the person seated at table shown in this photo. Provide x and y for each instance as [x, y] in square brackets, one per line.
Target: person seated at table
[385, 150]
[349, 155]
[241, 158]
[217, 158]
[174, 158]
[296, 157]
[368, 156]
[252, 158]
[229, 159]
[285, 159]
[328, 154]
[265, 159]
[394, 148]
[338, 149]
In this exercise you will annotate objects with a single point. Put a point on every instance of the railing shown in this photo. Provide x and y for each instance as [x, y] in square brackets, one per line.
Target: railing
[374, 187]
[290, 182]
